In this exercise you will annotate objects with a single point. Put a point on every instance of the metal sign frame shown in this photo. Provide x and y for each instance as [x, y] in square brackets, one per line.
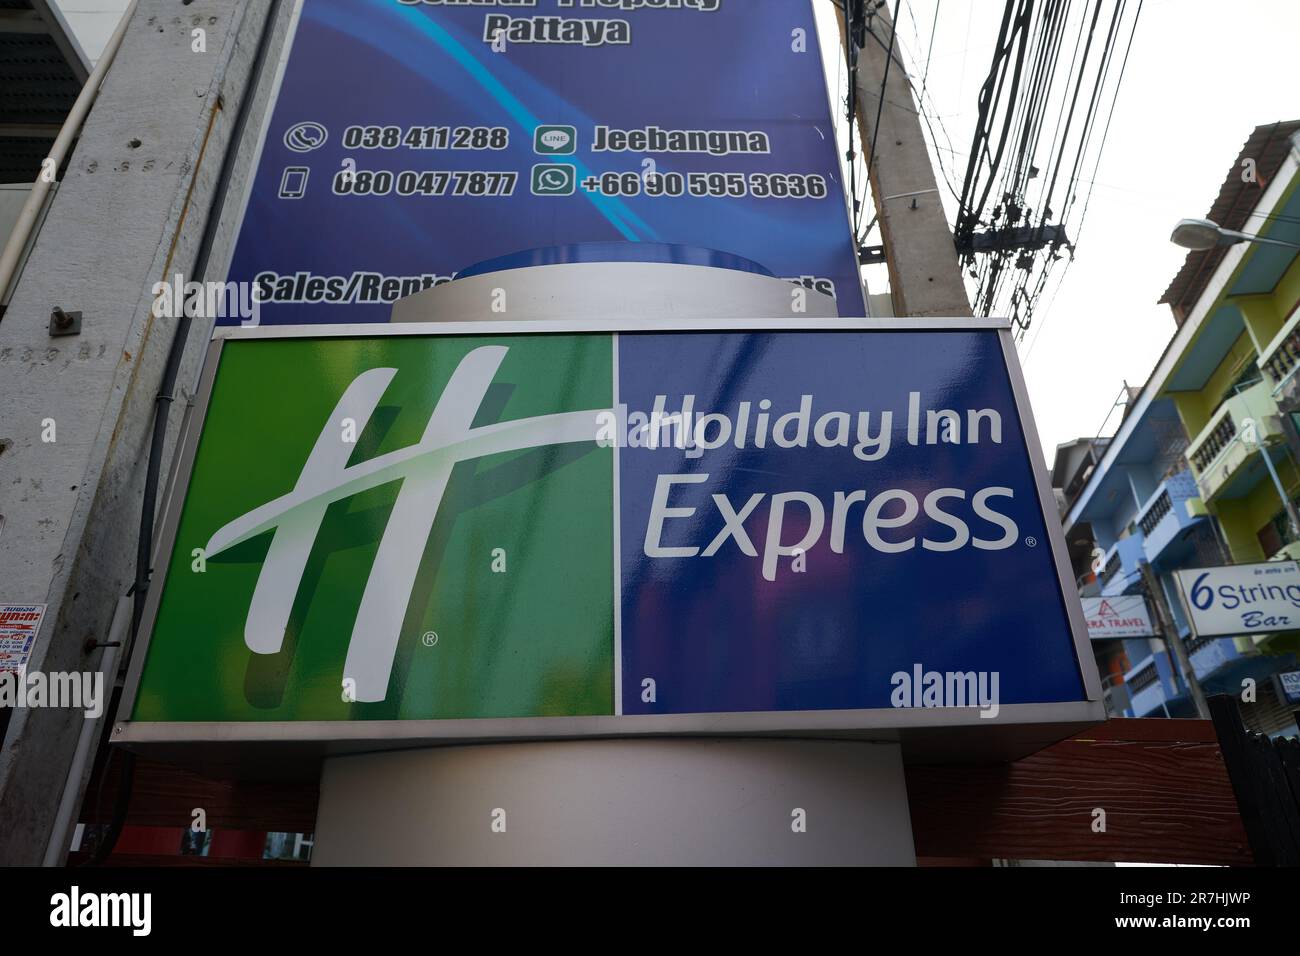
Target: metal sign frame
[940, 732]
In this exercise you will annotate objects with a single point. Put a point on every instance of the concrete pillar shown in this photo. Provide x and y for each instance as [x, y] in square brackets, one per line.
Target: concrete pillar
[924, 275]
[130, 212]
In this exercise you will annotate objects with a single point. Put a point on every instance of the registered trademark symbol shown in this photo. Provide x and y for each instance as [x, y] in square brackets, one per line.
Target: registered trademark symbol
[1031, 542]
[430, 638]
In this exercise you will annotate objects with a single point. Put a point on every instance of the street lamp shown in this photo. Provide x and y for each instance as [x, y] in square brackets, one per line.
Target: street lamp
[1201, 234]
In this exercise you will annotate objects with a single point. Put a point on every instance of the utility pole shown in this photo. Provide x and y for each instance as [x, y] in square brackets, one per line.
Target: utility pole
[924, 275]
[1169, 631]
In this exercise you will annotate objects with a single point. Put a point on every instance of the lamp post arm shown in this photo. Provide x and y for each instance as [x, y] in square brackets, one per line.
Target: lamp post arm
[1246, 237]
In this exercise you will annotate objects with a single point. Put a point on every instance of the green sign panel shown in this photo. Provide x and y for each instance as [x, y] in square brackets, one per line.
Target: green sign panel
[310, 546]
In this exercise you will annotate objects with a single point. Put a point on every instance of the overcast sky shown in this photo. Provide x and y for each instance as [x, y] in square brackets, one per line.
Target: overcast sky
[92, 21]
[1202, 75]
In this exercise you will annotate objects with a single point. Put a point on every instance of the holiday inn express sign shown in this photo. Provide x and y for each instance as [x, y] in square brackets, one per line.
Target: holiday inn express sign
[418, 528]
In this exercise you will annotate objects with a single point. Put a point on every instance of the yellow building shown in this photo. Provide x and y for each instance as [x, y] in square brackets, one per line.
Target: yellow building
[1230, 368]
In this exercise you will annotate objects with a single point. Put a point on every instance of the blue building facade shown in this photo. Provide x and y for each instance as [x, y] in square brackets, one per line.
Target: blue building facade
[1133, 500]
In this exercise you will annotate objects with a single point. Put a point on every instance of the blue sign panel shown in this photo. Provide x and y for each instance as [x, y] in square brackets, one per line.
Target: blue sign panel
[852, 520]
[413, 138]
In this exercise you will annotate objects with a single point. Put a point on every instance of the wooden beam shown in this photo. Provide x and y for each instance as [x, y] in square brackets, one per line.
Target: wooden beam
[163, 796]
[1161, 783]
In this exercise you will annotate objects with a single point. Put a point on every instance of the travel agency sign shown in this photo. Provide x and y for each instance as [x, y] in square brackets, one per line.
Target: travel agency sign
[1117, 617]
[449, 530]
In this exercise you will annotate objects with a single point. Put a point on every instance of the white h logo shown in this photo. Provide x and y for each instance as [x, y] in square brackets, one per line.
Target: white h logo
[424, 469]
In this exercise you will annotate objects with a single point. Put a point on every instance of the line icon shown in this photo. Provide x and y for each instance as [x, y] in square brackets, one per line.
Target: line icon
[555, 140]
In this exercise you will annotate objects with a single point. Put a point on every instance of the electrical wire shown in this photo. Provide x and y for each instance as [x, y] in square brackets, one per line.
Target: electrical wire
[934, 30]
[925, 116]
[1092, 182]
[884, 84]
[1041, 128]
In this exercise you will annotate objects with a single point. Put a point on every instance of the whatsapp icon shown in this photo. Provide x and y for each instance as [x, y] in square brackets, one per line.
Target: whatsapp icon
[553, 179]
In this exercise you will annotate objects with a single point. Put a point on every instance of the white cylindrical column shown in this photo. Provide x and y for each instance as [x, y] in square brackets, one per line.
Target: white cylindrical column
[648, 802]
[575, 283]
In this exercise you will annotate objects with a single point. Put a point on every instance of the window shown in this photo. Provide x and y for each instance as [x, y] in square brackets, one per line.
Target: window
[1277, 534]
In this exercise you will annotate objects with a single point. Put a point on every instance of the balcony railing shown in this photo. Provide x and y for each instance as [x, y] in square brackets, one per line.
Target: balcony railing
[1214, 443]
[1282, 364]
[1151, 684]
[1243, 423]
[1281, 357]
[1154, 514]
[1145, 688]
[1119, 573]
[1172, 508]
[1143, 678]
